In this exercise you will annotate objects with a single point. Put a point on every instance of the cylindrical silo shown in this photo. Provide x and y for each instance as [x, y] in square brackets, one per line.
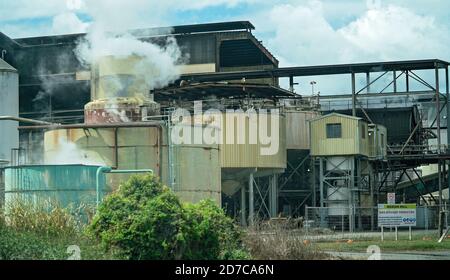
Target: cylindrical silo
[196, 167]
[9, 106]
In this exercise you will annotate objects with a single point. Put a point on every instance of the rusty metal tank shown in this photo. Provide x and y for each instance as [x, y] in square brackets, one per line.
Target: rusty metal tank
[140, 148]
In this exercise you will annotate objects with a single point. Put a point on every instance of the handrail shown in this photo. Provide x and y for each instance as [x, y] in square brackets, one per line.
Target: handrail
[108, 169]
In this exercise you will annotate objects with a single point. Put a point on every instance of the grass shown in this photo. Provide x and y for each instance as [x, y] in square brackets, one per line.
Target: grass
[280, 242]
[386, 245]
[45, 231]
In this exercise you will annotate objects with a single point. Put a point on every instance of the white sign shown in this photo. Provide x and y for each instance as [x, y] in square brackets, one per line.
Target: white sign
[397, 215]
[391, 198]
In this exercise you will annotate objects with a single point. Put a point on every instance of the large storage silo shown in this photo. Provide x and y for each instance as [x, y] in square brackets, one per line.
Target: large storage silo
[116, 133]
[127, 148]
[9, 106]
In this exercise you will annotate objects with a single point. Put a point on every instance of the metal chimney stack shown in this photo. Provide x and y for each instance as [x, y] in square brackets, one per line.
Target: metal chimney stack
[119, 91]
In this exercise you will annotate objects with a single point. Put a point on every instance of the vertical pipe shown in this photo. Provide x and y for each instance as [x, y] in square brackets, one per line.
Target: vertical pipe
[243, 207]
[275, 194]
[353, 94]
[438, 123]
[170, 151]
[447, 94]
[438, 110]
[314, 182]
[396, 233]
[407, 80]
[368, 82]
[395, 81]
[251, 198]
[116, 149]
[321, 178]
[350, 193]
[373, 184]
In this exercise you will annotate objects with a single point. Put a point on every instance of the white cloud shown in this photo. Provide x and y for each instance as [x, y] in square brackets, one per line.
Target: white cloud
[29, 9]
[303, 35]
[397, 33]
[68, 23]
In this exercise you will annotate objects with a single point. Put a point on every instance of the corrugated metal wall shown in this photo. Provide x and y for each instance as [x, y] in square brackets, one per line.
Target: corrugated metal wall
[197, 171]
[349, 144]
[297, 129]
[9, 106]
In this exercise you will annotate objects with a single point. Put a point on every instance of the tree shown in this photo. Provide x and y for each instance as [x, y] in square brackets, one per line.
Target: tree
[145, 220]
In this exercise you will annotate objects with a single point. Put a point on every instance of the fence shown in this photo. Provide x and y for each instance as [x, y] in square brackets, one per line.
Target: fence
[364, 219]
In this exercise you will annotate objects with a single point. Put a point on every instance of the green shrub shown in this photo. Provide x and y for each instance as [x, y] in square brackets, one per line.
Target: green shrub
[141, 219]
[145, 220]
[209, 233]
[44, 231]
[45, 218]
[27, 246]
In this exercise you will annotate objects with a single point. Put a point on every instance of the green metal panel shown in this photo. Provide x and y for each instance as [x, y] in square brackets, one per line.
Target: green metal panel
[66, 185]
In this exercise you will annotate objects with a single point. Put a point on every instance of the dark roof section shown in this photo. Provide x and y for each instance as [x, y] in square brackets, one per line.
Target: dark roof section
[147, 32]
[196, 28]
[320, 70]
[222, 90]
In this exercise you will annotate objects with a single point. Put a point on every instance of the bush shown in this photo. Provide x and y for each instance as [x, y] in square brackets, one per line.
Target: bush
[145, 220]
[30, 232]
[45, 218]
[209, 233]
[27, 246]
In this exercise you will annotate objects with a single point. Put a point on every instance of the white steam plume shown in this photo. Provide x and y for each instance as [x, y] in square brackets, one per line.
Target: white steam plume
[109, 35]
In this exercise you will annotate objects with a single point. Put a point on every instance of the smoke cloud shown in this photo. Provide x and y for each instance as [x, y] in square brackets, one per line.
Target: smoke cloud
[109, 35]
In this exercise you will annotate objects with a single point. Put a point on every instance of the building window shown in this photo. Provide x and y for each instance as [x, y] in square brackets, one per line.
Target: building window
[382, 140]
[363, 131]
[334, 130]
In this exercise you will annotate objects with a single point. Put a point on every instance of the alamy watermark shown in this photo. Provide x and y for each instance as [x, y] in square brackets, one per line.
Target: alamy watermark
[252, 127]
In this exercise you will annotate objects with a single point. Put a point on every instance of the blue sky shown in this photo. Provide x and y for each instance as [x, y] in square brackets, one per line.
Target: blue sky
[298, 32]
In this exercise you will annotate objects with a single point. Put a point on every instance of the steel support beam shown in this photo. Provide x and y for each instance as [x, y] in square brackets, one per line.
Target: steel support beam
[321, 179]
[368, 82]
[273, 196]
[407, 80]
[314, 184]
[395, 81]
[353, 94]
[243, 207]
[447, 95]
[417, 190]
[251, 201]
[425, 186]
[438, 124]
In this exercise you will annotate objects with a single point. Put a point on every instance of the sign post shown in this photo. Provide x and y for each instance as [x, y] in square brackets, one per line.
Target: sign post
[391, 198]
[397, 215]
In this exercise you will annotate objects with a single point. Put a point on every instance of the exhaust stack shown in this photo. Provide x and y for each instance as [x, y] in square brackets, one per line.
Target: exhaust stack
[119, 91]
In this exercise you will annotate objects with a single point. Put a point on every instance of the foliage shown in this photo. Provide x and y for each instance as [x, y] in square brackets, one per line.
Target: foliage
[146, 220]
[45, 218]
[281, 244]
[36, 233]
[210, 234]
[142, 220]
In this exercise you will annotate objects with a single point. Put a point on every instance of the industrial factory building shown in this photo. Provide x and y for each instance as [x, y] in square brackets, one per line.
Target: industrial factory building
[67, 132]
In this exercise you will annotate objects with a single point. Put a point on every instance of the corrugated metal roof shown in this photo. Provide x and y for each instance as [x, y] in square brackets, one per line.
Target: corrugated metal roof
[4, 66]
[335, 114]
